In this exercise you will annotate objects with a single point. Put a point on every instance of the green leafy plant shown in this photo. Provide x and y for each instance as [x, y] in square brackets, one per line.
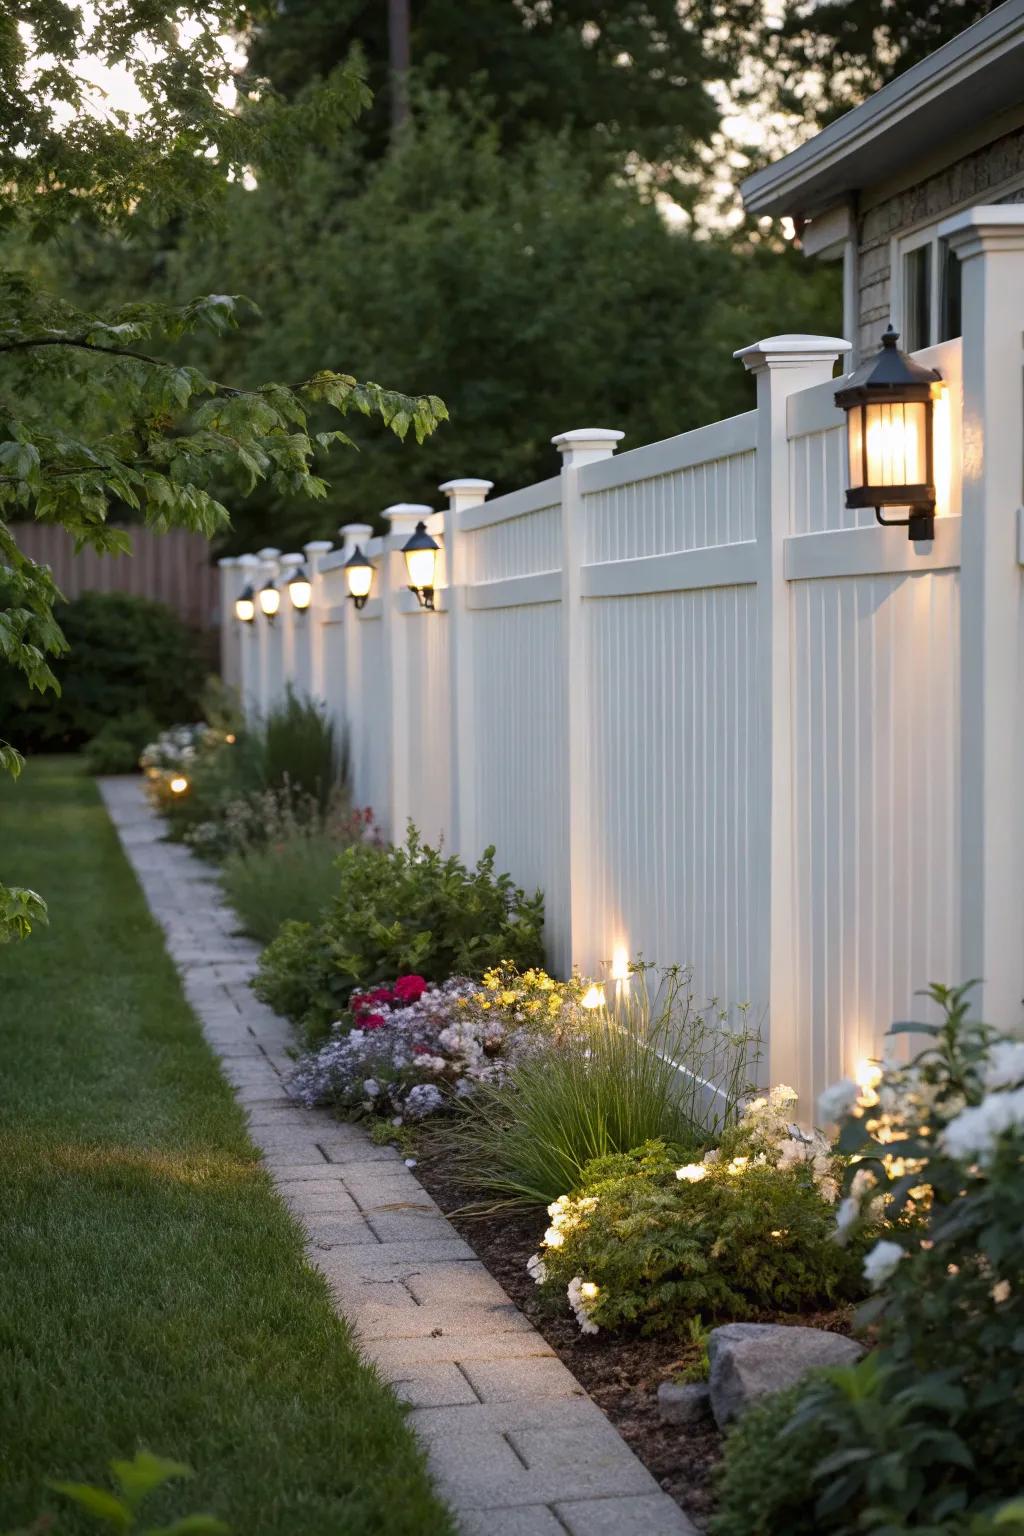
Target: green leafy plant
[116, 747]
[398, 911]
[661, 1068]
[653, 1245]
[126, 654]
[135, 1481]
[928, 1432]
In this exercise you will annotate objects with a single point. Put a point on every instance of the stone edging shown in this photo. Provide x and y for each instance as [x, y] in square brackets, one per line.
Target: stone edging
[516, 1446]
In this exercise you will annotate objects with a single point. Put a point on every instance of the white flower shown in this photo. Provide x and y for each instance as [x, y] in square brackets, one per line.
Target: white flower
[781, 1095]
[371, 1087]
[975, 1131]
[881, 1262]
[422, 1100]
[692, 1173]
[553, 1238]
[537, 1269]
[1005, 1068]
[838, 1100]
[863, 1180]
[846, 1215]
[581, 1294]
[1000, 1292]
[712, 1157]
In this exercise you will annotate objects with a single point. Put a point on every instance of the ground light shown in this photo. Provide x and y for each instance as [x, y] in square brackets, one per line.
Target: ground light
[179, 784]
[889, 404]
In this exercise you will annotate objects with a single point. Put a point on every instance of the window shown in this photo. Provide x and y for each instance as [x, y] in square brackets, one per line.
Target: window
[950, 323]
[926, 302]
[917, 298]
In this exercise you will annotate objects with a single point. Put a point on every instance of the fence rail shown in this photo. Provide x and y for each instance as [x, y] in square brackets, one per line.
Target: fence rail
[718, 717]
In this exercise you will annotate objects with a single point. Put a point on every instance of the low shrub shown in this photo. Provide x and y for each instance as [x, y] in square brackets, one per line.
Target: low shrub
[927, 1433]
[116, 748]
[759, 1490]
[409, 1050]
[640, 1074]
[644, 1242]
[125, 654]
[397, 911]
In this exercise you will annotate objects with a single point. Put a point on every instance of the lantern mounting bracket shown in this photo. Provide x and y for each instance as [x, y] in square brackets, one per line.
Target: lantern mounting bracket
[919, 525]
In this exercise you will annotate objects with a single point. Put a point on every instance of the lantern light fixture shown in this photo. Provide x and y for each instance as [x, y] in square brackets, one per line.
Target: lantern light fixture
[245, 605]
[300, 589]
[178, 784]
[420, 552]
[270, 600]
[358, 577]
[889, 403]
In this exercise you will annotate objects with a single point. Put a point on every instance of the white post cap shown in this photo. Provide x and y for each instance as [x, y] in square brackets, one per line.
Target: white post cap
[587, 445]
[268, 554]
[318, 547]
[290, 560]
[249, 560]
[227, 561]
[355, 533]
[791, 351]
[465, 493]
[404, 515]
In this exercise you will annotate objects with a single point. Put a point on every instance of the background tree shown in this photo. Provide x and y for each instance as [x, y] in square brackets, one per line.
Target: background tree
[534, 300]
[92, 412]
[833, 53]
[624, 79]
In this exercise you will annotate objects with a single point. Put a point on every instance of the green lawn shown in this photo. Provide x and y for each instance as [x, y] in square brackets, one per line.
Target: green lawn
[153, 1291]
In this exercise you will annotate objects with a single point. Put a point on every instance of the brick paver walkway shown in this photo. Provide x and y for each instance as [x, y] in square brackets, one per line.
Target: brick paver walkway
[515, 1444]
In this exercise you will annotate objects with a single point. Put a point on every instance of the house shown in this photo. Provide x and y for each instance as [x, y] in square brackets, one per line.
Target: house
[873, 188]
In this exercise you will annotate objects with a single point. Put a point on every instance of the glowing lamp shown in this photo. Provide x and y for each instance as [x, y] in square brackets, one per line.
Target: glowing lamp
[245, 605]
[889, 405]
[420, 552]
[358, 577]
[179, 784]
[270, 600]
[300, 590]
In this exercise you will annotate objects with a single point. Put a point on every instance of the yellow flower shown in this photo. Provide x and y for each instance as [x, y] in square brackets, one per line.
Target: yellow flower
[508, 998]
[485, 1005]
[544, 982]
[533, 1005]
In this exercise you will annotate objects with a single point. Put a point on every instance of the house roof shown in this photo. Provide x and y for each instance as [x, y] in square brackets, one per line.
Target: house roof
[974, 76]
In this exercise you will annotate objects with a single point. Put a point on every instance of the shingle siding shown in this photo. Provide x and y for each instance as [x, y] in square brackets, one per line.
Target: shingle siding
[964, 182]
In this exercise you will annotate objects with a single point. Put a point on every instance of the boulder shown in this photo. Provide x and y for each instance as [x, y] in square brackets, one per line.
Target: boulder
[683, 1403]
[749, 1360]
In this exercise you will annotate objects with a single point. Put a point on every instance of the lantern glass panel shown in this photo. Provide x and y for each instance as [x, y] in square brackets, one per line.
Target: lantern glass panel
[301, 592]
[270, 601]
[897, 443]
[855, 438]
[245, 610]
[360, 579]
[420, 565]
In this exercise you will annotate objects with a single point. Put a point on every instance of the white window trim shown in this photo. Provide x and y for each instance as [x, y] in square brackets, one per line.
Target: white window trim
[902, 247]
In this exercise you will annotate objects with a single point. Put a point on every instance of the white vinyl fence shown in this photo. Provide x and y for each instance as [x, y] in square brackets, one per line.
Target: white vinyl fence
[715, 716]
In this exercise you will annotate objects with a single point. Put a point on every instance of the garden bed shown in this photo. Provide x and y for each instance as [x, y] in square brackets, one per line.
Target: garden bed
[620, 1372]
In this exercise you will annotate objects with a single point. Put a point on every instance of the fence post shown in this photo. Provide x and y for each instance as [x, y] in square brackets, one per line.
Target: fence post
[294, 634]
[350, 707]
[781, 365]
[231, 583]
[314, 553]
[990, 244]
[463, 835]
[269, 639]
[402, 519]
[248, 643]
[582, 446]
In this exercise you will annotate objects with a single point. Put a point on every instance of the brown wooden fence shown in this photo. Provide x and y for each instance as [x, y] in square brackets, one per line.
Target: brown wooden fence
[174, 567]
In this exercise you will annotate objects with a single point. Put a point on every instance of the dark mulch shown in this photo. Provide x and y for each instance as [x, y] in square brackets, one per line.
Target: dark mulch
[621, 1373]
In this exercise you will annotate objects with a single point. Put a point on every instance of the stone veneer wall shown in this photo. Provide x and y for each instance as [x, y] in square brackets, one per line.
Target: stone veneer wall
[965, 182]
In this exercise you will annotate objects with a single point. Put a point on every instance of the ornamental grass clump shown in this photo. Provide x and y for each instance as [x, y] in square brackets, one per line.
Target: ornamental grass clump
[647, 1242]
[395, 911]
[661, 1068]
[927, 1433]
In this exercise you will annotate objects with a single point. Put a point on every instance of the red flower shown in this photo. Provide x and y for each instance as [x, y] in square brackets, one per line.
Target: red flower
[409, 989]
[421, 1050]
[372, 1021]
[381, 995]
